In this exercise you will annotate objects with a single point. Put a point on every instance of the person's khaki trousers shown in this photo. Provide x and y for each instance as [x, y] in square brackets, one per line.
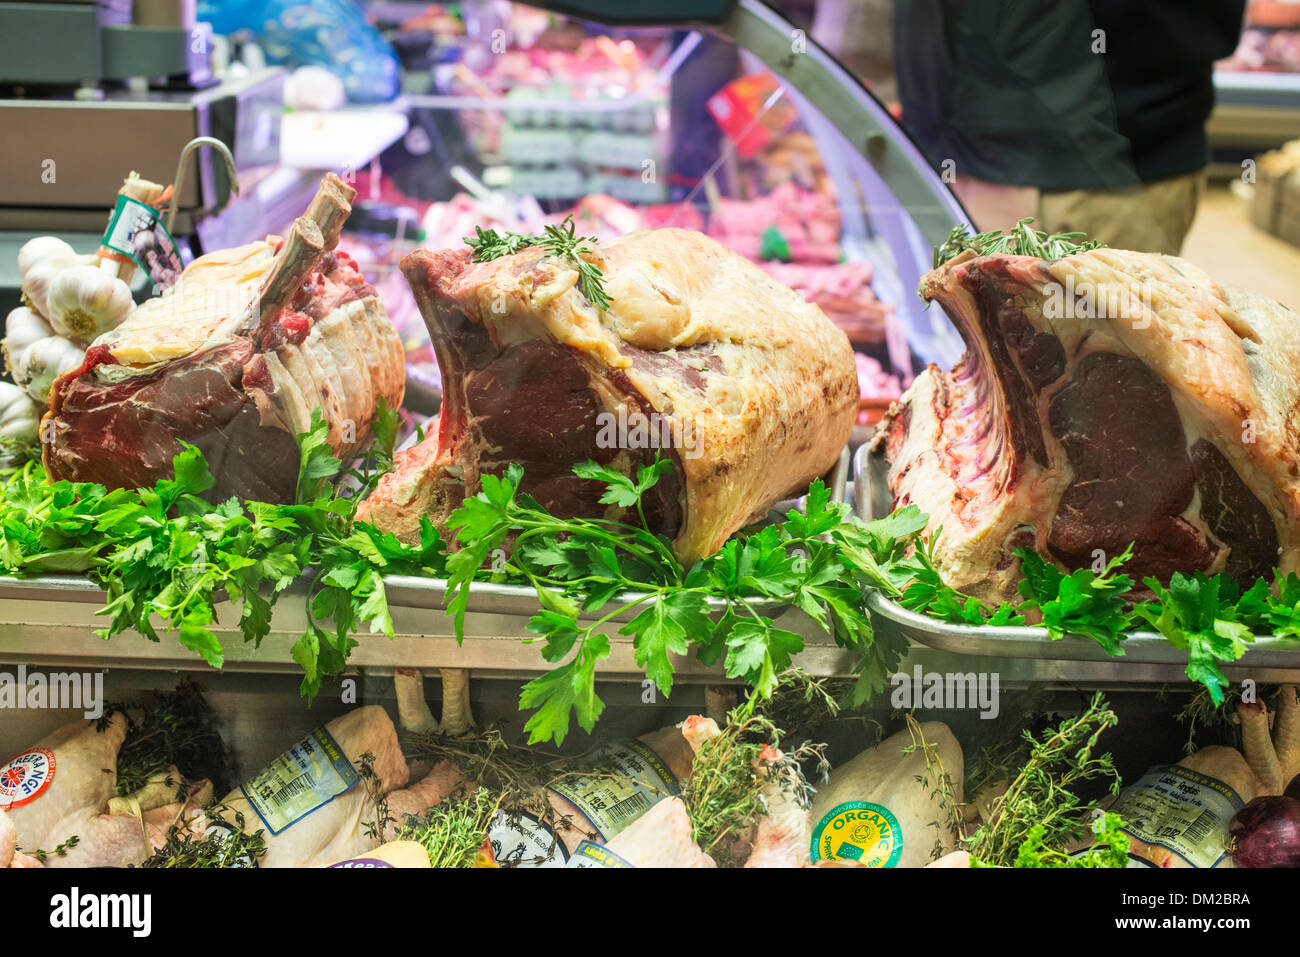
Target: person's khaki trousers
[1154, 217]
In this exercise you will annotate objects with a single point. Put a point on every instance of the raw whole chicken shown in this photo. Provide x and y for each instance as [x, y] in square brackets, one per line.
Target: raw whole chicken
[133, 828]
[1175, 817]
[10, 856]
[885, 806]
[660, 838]
[583, 808]
[76, 788]
[336, 830]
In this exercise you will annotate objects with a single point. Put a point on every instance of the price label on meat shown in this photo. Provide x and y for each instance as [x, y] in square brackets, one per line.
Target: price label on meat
[858, 831]
[24, 778]
[310, 774]
[136, 231]
[520, 840]
[634, 780]
[1180, 810]
[588, 854]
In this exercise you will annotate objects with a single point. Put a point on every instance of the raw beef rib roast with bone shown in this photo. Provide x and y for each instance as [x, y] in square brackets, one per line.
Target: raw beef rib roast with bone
[234, 359]
[754, 387]
[1106, 397]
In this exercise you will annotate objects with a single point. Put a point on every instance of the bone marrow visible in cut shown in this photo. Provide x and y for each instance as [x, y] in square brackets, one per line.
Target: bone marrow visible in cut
[1154, 408]
[753, 387]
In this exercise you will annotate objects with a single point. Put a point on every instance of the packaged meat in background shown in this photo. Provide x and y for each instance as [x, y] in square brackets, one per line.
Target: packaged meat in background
[789, 223]
[879, 389]
[843, 291]
[1177, 815]
[591, 800]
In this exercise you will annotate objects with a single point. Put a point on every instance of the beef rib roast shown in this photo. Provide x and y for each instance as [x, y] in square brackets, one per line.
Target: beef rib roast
[1105, 397]
[234, 359]
[748, 388]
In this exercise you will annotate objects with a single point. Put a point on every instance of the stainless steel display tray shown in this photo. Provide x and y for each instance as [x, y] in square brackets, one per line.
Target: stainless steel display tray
[50, 621]
[1148, 657]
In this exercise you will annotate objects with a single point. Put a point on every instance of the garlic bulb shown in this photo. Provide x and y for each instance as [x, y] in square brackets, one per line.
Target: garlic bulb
[42, 247]
[85, 301]
[20, 414]
[22, 327]
[44, 361]
[39, 277]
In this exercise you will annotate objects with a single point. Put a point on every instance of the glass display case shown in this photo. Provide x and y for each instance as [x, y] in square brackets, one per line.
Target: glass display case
[282, 615]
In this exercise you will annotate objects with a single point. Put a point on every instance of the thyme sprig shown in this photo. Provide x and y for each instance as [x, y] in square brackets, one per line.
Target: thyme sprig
[1040, 807]
[223, 844]
[733, 774]
[452, 832]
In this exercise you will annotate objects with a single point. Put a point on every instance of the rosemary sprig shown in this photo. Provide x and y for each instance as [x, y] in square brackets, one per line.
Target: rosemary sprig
[1021, 240]
[560, 241]
[488, 244]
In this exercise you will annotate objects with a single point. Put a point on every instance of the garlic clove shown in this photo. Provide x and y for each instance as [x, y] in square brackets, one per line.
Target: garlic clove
[43, 362]
[42, 247]
[38, 279]
[22, 327]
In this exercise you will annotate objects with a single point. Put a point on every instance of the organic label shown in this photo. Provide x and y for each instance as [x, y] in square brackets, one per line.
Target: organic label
[520, 840]
[1182, 811]
[635, 780]
[136, 231]
[310, 774]
[24, 778]
[588, 854]
[858, 831]
[362, 862]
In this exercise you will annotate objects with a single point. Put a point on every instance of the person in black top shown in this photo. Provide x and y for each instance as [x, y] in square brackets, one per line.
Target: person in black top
[1085, 114]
